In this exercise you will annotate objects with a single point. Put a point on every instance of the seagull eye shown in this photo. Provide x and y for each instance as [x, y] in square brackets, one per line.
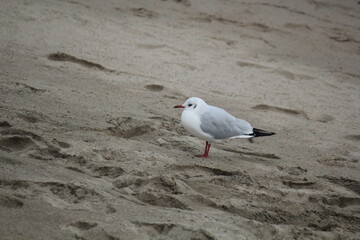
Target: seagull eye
[189, 105]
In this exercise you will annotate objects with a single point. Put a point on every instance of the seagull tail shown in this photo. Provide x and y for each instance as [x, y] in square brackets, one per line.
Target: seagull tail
[261, 133]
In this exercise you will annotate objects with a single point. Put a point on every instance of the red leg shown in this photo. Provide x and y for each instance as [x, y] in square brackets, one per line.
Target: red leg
[207, 149]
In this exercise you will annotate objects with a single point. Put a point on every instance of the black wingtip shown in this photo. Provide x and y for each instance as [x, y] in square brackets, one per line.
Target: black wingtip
[262, 133]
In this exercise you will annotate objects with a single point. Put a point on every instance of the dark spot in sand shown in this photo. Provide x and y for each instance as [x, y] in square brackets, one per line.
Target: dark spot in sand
[75, 169]
[184, 2]
[110, 209]
[108, 171]
[81, 225]
[17, 143]
[5, 124]
[325, 118]
[14, 184]
[325, 228]
[260, 27]
[299, 184]
[251, 65]
[154, 87]
[162, 200]
[353, 137]
[341, 201]
[143, 12]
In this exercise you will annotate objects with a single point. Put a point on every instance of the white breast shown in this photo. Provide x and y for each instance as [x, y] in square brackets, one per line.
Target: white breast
[191, 122]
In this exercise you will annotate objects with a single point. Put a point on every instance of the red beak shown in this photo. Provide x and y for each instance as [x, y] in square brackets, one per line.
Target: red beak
[179, 106]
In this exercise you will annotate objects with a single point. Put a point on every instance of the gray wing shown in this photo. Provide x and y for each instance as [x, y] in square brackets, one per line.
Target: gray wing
[221, 124]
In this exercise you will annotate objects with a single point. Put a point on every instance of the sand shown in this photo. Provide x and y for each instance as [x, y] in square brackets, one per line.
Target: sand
[91, 147]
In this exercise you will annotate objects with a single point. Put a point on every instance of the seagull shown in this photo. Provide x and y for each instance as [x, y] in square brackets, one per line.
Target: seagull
[211, 123]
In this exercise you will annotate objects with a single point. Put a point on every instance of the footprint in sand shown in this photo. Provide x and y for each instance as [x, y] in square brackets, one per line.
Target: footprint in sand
[156, 191]
[14, 184]
[25, 87]
[17, 143]
[32, 117]
[10, 202]
[128, 127]
[349, 184]
[297, 26]
[251, 65]
[87, 230]
[28, 118]
[281, 110]
[70, 192]
[325, 118]
[189, 171]
[334, 161]
[26, 142]
[291, 75]
[284, 73]
[81, 225]
[228, 42]
[5, 124]
[341, 201]
[173, 231]
[107, 171]
[64, 57]
[182, 189]
[355, 138]
[299, 184]
[295, 171]
[60, 143]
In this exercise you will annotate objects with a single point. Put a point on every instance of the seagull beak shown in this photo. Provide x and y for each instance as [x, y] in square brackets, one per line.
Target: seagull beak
[179, 106]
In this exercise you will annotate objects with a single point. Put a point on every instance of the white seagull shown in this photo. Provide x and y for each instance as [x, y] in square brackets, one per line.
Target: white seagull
[211, 123]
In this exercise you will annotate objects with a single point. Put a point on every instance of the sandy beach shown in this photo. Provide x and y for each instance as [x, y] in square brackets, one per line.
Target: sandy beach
[92, 148]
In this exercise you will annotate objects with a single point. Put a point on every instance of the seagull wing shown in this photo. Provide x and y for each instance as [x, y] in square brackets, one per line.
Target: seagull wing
[222, 125]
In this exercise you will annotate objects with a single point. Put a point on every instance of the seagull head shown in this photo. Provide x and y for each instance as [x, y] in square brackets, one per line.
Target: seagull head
[193, 103]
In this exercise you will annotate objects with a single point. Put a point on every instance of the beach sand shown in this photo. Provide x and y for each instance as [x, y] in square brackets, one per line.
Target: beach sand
[92, 148]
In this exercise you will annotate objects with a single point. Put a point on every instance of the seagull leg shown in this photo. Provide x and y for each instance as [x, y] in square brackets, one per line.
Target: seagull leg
[207, 149]
[206, 154]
